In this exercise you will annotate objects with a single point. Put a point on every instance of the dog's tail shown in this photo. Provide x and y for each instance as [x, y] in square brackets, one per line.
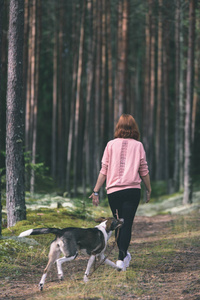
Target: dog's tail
[37, 231]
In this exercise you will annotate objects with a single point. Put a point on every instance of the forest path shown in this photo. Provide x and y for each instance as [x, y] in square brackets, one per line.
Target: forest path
[154, 273]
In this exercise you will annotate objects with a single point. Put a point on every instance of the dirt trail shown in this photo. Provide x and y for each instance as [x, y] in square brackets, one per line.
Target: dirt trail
[175, 279]
[178, 279]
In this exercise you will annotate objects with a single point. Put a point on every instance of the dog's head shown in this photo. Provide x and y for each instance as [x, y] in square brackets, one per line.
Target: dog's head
[110, 224]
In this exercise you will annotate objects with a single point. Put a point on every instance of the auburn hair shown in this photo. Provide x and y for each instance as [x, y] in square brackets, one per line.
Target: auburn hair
[127, 128]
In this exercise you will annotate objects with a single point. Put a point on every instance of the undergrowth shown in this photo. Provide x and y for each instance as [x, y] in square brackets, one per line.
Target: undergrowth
[165, 254]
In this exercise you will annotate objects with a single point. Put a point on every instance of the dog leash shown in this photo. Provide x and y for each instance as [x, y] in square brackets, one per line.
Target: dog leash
[103, 260]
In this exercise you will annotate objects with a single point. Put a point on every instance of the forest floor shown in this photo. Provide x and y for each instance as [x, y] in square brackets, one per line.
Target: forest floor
[165, 264]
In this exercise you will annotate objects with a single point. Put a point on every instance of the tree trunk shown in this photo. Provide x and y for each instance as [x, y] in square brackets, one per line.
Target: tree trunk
[146, 101]
[152, 85]
[181, 104]
[36, 89]
[1, 31]
[187, 197]
[97, 107]
[166, 63]
[28, 88]
[120, 80]
[90, 74]
[15, 197]
[196, 81]
[54, 107]
[103, 76]
[109, 61]
[25, 49]
[177, 85]
[78, 98]
[73, 100]
[60, 97]
[159, 161]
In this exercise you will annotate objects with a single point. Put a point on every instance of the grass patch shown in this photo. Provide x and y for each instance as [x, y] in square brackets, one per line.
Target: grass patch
[162, 264]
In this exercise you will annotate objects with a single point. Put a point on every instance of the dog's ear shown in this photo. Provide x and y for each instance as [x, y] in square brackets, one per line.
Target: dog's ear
[99, 220]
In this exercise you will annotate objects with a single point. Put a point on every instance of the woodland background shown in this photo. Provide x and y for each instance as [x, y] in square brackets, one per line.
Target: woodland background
[85, 62]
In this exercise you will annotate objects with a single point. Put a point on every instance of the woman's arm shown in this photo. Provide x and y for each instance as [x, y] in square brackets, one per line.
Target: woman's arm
[100, 181]
[147, 183]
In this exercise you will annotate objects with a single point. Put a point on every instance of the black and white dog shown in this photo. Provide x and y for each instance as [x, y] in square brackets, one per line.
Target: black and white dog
[69, 240]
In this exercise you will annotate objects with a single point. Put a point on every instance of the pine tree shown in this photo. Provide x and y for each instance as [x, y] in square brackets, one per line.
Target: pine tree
[15, 196]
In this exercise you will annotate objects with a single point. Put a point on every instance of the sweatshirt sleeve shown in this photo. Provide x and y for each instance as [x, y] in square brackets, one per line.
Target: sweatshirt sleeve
[143, 169]
[104, 162]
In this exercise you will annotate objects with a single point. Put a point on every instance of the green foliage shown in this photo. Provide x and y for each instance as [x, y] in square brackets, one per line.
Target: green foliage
[43, 182]
[159, 188]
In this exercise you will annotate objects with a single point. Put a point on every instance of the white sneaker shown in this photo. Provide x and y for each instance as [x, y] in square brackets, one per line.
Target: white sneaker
[127, 260]
[120, 265]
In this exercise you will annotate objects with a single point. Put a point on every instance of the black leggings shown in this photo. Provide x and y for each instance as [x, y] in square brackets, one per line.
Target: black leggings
[126, 202]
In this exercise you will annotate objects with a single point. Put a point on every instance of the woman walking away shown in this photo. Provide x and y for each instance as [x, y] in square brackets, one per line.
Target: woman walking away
[124, 166]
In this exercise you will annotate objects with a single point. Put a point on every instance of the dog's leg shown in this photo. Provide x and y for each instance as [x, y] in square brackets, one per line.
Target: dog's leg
[53, 256]
[59, 263]
[89, 265]
[108, 261]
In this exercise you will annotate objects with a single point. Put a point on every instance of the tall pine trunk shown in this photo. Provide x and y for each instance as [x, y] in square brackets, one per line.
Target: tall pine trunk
[159, 150]
[15, 196]
[177, 97]
[90, 74]
[110, 70]
[149, 95]
[146, 100]
[37, 43]
[187, 197]
[54, 105]
[122, 42]
[152, 84]
[1, 31]
[181, 103]
[196, 80]
[75, 25]
[166, 60]
[60, 95]
[78, 99]
[97, 107]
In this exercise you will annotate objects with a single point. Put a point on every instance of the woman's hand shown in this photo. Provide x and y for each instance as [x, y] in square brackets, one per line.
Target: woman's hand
[146, 180]
[95, 199]
[99, 183]
[148, 196]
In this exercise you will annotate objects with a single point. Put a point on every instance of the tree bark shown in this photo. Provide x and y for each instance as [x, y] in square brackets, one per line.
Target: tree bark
[90, 74]
[122, 42]
[15, 197]
[159, 164]
[177, 95]
[103, 76]
[78, 98]
[97, 107]
[196, 81]
[25, 49]
[1, 31]
[54, 106]
[60, 96]
[73, 98]
[28, 88]
[181, 103]
[187, 197]
[150, 127]
[37, 42]
[110, 70]
[146, 101]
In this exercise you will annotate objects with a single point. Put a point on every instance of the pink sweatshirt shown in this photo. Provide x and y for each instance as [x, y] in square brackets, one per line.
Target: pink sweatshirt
[123, 162]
